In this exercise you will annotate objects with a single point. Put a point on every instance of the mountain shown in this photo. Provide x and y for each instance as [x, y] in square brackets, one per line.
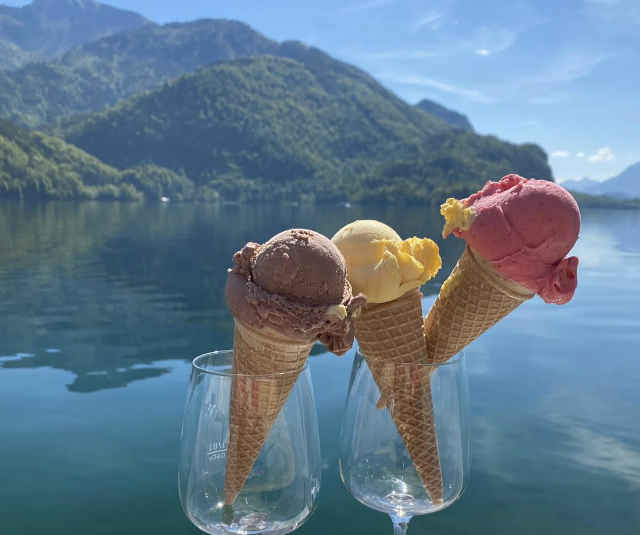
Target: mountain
[46, 28]
[300, 126]
[626, 185]
[451, 117]
[259, 120]
[584, 185]
[34, 165]
[12, 56]
[98, 74]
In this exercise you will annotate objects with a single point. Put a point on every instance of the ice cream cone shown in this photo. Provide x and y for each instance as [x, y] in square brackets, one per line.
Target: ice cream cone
[390, 337]
[268, 366]
[473, 298]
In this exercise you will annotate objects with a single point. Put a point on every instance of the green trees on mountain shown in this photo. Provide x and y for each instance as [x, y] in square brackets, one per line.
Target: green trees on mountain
[451, 117]
[34, 165]
[46, 28]
[275, 128]
[262, 121]
[99, 73]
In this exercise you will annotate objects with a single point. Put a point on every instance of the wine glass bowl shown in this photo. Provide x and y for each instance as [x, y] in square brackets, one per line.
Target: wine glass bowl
[281, 489]
[375, 465]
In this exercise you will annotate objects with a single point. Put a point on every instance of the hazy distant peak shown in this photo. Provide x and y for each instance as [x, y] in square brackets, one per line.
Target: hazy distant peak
[583, 185]
[625, 185]
[48, 28]
[66, 3]
[62, 8]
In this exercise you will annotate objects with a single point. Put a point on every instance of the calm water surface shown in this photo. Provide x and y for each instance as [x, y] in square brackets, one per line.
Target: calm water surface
[103, 306]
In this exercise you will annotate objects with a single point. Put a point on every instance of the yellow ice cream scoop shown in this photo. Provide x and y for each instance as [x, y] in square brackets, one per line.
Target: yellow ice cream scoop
[380, 264]
[456, 216]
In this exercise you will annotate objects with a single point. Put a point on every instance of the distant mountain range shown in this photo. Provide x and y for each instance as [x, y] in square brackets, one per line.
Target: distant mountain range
[101, 72]
[626, 185]
[98, 74]
[585, 185]
[46, 28]
[212, 109]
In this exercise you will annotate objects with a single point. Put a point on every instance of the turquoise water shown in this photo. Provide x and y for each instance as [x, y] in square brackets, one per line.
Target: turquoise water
[103, 306]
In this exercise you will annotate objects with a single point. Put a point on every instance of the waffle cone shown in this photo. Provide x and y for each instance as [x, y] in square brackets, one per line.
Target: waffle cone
[473, 298]
[257, 395]
[390, 337]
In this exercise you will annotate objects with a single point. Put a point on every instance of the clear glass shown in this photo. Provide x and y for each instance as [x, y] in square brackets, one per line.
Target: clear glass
[374, 464]
[282, 488]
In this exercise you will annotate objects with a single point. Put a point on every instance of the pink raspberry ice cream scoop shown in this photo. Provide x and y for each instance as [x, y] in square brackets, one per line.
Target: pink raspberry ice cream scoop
[523, 228]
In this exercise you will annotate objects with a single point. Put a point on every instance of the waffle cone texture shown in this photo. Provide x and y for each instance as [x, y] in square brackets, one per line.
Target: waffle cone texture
[390, 336]
[473, 298]
[268, 367]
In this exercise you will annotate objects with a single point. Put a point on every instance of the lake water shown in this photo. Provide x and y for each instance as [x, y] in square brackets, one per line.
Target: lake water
[102, 307]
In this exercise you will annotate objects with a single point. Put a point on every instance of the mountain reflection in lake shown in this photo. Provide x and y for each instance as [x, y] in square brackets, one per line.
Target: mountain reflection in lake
[116, 286]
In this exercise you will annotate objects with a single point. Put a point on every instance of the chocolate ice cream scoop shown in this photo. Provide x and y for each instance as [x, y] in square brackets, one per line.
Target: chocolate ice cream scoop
[303, 265]
[295, 285]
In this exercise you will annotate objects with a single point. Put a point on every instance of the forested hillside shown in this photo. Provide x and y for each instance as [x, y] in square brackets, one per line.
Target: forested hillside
[44, 29]
[451, 117]
[98, 74]
[34, 165]
[314, 128]
[212, 109]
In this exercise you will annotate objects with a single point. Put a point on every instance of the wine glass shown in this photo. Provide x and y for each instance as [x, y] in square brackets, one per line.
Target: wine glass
[282, 488]
[374, 464]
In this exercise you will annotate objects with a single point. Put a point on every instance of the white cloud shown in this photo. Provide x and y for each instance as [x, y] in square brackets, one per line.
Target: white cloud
[560, 154]
[603, 154]
[580, 154]
[482, 41]
[592, 448]
[432, 20]
[567, 66]
[471, 94]
[491, 40]
[576, 66]
[606, 453]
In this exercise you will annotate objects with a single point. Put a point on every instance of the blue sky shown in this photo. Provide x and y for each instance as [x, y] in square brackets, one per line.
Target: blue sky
[565, 74]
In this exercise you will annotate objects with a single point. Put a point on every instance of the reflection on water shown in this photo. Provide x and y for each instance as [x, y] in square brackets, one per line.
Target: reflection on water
[119, 285]
[97, 297]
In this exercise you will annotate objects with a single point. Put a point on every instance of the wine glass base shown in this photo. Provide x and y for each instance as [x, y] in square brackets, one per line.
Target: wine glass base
[230, 522]
[396, 493]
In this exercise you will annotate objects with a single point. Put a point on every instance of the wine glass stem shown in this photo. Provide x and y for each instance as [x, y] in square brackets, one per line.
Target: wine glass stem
[400, 526]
